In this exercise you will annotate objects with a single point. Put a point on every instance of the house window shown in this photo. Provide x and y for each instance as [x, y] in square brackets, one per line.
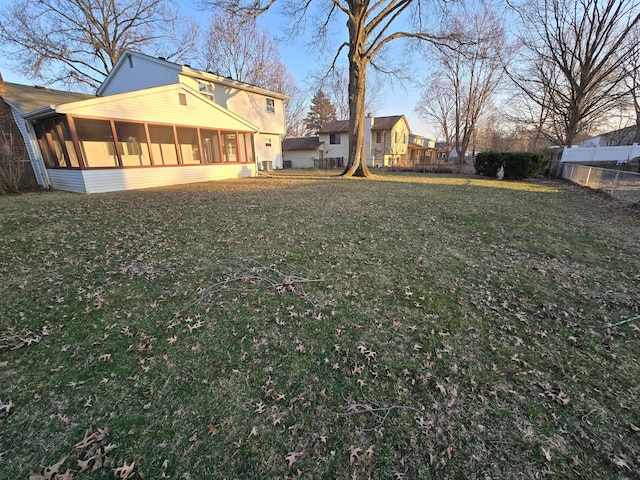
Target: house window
[188, 144]
[210, 146]
[182, 98]
[379, 136]
[271, 105]
[206, 89]
[230, 147]
[267, 142]
[163, 145]
[96, 143]
[246, 143]
[63, 128]
[133, 144]
[334, 138]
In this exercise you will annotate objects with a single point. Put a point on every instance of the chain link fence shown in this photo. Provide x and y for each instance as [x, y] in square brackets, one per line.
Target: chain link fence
[619, 184]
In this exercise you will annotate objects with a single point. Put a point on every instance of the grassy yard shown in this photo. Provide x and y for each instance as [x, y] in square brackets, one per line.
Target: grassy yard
[304, 326]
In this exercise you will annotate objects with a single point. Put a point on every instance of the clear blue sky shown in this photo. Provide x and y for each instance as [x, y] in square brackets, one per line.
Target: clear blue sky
[395, 98]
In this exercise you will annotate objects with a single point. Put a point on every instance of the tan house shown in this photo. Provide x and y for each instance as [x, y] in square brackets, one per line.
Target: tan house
[386, 140]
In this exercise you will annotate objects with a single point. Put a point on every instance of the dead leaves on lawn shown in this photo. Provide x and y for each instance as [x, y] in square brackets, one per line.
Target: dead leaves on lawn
[92, 453]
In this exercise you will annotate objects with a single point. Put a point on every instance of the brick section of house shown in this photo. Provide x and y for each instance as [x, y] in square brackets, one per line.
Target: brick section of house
[12, 147]
[11, 140]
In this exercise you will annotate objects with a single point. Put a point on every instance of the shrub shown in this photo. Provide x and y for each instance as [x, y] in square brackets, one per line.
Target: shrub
[519, 165]
[487, 164]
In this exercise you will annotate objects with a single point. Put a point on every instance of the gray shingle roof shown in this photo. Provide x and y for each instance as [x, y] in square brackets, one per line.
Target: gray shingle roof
[305, 143]
[28, 98]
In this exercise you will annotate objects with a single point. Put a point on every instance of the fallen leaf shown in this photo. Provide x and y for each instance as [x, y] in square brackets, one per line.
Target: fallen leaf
[49, 472]
[84, 464]
[354, 454]
[547, 453]
[292, 457]
[125, 471]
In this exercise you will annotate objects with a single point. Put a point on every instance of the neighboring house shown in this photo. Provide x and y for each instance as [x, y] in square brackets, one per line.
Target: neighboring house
[306, 152]
[422, 151]
[386, 140]
[163, 124]
[260, 107]
[335, 138]
[623, 136]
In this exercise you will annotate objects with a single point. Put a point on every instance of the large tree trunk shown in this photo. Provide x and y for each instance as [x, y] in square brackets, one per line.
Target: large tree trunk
[357, 164]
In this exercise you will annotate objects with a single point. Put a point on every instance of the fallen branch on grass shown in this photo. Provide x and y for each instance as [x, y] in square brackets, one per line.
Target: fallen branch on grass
[251, 275]
[357, 409]
[628, 320]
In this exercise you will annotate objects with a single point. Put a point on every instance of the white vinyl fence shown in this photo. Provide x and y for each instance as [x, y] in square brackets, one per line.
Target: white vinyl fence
[622, 185]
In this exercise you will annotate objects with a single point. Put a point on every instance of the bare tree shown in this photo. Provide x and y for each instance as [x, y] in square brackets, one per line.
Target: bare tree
[571, 57]
[436, 107]
[371, 26]
[631, 73]
[336, 81]
[77, 42]
[465, 79]
[241, 49]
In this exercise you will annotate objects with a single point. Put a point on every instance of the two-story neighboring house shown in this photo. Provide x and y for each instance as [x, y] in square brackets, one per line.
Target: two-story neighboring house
[262, 108]
[153, 123]
[386, 140]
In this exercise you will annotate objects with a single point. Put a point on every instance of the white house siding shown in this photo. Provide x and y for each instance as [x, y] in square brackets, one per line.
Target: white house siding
[249, 105]
[336, 150]
[300, 158]
[117, 179]
[271, 154]
[67, 180]
[144, 73]
[253, 107]
[158, 106]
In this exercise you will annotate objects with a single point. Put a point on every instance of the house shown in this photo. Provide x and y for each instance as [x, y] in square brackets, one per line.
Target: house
[422, 151]
[623, 136]
[166, 124]
[386, 140]
[16, 101]
[305, 152]
[260, 107]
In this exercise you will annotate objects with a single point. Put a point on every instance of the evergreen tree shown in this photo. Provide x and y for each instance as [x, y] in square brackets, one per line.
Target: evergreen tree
[321, 112]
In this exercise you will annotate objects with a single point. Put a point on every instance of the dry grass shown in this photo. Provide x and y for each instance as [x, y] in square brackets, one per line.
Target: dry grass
[306, 326]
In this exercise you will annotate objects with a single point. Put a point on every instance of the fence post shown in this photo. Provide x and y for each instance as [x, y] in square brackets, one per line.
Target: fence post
[615, 182]
[588, 177]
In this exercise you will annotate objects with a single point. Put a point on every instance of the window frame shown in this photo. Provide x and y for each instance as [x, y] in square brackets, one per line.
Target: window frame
[271, 105]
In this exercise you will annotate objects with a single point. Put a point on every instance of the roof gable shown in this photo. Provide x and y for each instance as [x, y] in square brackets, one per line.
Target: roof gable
[128, 99]
[387, 123]
[188, 71]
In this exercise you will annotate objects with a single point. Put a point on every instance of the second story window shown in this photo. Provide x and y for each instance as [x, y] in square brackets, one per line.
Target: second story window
[271, 105]
[334, 139]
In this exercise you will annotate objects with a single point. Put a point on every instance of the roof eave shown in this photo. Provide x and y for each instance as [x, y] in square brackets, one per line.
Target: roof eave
[191, 72]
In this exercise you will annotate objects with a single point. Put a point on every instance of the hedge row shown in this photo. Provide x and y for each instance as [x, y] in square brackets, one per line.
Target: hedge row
[517, 165]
